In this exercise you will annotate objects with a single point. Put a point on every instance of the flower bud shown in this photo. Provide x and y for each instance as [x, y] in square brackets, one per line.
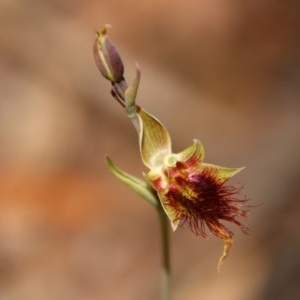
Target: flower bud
[107, 57]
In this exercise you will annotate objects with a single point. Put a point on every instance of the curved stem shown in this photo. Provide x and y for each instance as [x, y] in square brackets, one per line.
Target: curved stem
[166, 266]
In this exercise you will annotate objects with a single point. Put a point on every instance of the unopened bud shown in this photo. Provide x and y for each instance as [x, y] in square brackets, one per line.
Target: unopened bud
[107, 57]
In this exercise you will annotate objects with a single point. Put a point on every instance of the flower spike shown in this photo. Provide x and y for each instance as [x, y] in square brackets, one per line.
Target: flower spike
[190, 191]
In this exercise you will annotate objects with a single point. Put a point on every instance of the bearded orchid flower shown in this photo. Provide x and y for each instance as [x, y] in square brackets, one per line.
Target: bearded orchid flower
[188, 190]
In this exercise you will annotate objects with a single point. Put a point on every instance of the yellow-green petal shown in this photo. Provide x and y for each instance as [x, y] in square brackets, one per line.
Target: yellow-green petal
[154, 139]
[193, 155]
[221, 173]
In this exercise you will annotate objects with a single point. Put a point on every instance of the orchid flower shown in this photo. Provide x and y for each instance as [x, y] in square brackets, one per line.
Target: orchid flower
[188, 190]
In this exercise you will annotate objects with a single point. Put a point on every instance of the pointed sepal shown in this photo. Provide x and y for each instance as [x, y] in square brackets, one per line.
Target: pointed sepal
[221, 174]
[154, 139]
[192, 156]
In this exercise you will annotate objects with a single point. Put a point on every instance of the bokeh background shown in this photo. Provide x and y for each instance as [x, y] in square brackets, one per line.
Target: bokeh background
[224, 71]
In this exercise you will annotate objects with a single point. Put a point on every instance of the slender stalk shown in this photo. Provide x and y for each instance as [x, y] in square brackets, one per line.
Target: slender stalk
[165, 243]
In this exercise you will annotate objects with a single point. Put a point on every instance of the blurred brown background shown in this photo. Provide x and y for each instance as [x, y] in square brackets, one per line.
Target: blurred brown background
[224, 71]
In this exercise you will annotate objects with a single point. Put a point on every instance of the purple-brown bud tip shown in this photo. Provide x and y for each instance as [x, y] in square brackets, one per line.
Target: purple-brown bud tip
[107, 57]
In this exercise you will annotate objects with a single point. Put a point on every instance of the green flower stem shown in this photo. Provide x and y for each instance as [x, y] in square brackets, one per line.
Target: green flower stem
[165, 249]
[143, 189]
